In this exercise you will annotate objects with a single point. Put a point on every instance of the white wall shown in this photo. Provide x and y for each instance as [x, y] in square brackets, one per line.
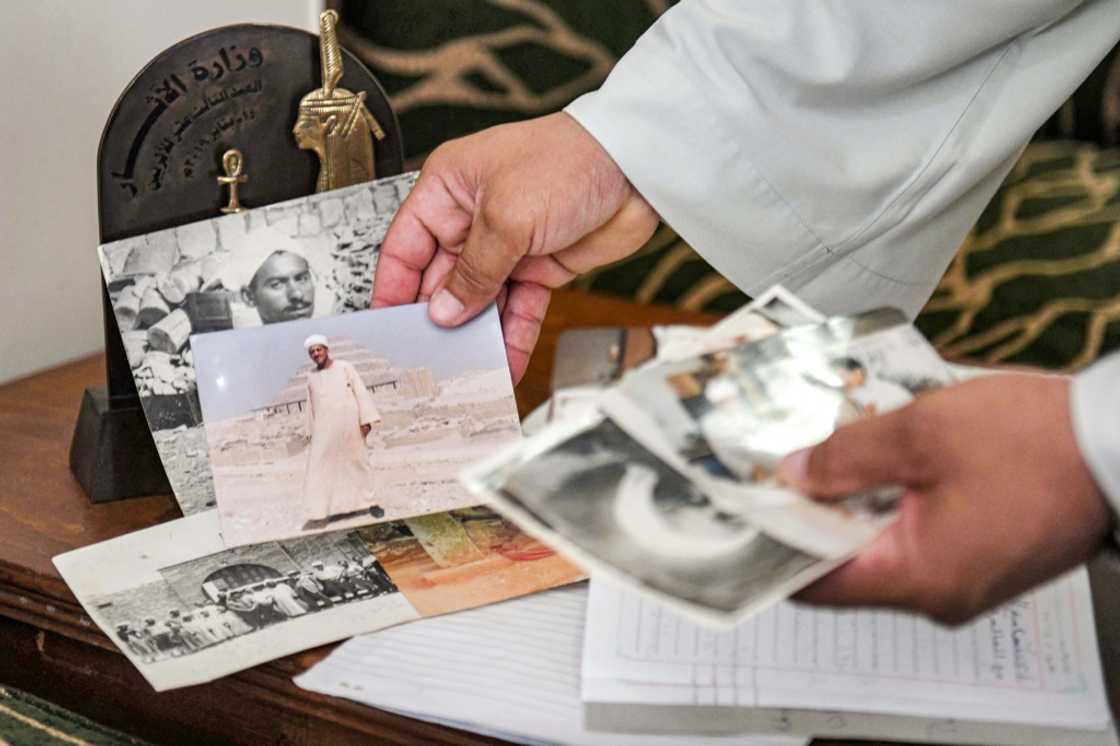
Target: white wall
[64, 63]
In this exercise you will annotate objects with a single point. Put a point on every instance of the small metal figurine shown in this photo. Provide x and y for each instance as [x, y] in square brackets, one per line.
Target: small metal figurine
[232, 161]
[334, 122]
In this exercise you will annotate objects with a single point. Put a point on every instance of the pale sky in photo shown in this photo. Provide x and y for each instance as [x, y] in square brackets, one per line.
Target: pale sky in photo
[243, 369]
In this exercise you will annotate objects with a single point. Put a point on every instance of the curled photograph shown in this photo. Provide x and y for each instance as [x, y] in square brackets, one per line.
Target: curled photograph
[726, 419]
[589, 489]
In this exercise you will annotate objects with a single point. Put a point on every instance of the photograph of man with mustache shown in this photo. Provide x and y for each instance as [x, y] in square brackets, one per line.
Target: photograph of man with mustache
[282, 288]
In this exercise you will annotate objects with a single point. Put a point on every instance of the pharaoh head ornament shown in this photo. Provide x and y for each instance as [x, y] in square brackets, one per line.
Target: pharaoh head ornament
[334, 122]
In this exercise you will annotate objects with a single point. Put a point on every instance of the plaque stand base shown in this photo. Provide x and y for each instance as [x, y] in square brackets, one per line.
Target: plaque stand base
[113, 455]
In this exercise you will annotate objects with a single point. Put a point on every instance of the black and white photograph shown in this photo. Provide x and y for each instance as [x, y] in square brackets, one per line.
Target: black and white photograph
[307, 258]
[586, 487]
[185, 610]
[345, 421]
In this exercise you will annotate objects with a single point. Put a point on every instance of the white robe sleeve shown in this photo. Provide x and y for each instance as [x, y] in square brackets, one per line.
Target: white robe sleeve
[843, 149]
[310, 413]
[1095, 407]
[367, 410]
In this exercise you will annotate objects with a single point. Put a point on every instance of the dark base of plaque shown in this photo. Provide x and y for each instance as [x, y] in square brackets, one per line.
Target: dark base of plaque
[113, 455]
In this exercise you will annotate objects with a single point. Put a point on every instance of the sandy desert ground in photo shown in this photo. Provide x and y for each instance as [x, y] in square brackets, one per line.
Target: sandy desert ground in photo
[416, 454]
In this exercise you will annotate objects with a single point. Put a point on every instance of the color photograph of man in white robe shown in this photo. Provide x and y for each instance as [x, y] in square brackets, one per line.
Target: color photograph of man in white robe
[340, 414]
[371, 424]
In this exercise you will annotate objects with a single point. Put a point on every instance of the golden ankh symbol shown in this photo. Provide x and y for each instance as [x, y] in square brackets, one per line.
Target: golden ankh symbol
[232, 161]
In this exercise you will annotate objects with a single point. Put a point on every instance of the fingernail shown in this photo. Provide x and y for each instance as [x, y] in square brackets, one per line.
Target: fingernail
[794, 469]
[445, 308]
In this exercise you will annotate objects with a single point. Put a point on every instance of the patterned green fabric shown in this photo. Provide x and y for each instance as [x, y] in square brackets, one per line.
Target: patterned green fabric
[1035, 283]
[453, 67]
[1092, 113]
[1038, 280]
[26, 720]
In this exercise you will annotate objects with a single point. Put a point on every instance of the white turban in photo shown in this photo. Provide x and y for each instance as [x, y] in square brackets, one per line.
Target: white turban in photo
[315, 339]
[250, 251]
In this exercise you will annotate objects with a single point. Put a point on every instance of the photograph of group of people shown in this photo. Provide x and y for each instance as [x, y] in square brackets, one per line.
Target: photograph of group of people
[186, 609]
[233, 612]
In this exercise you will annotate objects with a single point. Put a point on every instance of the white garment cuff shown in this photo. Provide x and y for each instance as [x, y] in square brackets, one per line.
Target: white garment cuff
[1095, 410]
[671, 142]
[674, 146]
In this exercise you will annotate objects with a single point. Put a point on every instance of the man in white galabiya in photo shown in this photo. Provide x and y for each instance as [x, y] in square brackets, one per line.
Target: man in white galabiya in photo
[868, 393]
[340, 413]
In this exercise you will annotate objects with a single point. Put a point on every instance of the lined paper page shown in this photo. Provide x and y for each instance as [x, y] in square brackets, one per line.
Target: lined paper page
[1033, 661]
[509, 670]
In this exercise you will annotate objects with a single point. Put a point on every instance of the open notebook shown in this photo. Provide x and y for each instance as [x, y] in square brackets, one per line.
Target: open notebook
[1026, 673]
[509, 670]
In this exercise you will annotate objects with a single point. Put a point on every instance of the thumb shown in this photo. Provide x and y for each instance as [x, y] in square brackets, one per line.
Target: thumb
[492, 250]
[867, 453]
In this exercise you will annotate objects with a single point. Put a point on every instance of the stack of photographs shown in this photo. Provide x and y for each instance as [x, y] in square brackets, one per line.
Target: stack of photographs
[662, 474]
[313, 445]
[307, 258]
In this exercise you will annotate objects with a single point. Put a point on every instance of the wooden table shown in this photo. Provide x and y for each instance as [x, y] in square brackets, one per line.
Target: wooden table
[49, 647]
